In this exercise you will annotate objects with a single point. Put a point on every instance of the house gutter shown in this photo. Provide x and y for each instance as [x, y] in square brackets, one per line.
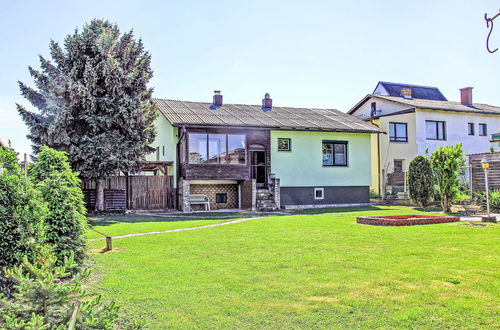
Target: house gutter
[283, 129]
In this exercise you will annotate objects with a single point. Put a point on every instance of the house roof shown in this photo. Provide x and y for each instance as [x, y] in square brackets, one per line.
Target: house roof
[2, 144]
[477, 108]
[180, 113]
[417, 91]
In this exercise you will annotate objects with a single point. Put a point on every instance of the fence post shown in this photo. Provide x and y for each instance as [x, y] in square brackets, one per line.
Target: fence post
[109, 243]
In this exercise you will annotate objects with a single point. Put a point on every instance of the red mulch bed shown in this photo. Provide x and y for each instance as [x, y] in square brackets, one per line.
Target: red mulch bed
[406, 220]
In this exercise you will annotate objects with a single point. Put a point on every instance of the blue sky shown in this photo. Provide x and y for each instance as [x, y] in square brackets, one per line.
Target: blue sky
[304, 53]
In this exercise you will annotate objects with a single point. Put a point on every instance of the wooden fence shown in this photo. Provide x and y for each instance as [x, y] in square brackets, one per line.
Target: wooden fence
[477, 172]
[145, 192]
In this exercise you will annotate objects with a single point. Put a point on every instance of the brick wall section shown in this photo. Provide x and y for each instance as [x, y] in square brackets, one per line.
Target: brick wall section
[406, 220]
[210, 190]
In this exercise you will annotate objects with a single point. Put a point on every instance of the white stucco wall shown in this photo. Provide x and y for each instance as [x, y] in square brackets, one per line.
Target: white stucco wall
[385, 107]
[457, 130]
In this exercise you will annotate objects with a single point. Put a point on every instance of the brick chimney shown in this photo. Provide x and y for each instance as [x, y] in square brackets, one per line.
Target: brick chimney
[267, 102]
[217, 103]
[466, 95]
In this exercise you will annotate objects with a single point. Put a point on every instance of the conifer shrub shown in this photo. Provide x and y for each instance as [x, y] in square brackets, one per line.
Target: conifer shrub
[22, 213]
[60, 188]
[420, 181]
[447, 163]
[49, 297]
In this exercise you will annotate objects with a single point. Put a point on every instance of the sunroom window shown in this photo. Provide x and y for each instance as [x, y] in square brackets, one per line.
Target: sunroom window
[216, 148]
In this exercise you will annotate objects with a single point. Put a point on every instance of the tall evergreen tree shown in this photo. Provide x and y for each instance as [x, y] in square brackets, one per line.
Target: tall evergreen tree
[93, 102]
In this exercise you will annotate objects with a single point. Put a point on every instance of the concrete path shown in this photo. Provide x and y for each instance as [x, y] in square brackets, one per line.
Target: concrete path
[176, 230]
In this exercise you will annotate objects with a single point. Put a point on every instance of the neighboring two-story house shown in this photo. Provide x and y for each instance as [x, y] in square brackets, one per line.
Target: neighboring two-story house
[419, 118]
[227, 152]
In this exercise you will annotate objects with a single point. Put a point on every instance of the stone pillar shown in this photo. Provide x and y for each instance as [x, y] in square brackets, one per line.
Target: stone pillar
[254, 195]
[277, 193]
[184, 193]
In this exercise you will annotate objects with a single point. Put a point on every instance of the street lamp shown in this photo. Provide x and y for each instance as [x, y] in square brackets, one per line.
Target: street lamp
[486, 165]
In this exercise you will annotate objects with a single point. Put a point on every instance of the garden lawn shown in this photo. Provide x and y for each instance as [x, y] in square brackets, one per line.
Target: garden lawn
[114, 225]
[308, 271]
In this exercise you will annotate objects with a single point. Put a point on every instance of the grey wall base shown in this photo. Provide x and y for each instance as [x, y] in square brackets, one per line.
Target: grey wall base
[318, 206]
[333, 196]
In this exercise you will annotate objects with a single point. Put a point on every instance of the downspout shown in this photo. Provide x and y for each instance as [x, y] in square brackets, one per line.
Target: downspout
[378, 160]
[178, 169]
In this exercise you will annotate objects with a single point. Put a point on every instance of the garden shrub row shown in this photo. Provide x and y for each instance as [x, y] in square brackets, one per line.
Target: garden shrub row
[42, 247]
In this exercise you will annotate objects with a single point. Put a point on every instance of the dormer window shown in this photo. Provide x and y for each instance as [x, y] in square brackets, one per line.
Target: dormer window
[406, 93]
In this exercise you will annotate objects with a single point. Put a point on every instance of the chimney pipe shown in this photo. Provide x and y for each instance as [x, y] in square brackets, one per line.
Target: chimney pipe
[217, 100]
[466, 95]
[267, 102]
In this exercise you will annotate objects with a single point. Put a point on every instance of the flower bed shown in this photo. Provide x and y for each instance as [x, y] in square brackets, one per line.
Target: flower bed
[406, 220]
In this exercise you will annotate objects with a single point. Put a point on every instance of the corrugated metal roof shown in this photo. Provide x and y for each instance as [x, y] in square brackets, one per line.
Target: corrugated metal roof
[199, 113]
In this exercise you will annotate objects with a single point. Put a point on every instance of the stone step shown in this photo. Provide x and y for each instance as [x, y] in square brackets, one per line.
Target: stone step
[266, 205]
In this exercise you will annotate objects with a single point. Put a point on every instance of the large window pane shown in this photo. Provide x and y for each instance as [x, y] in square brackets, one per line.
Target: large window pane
[440, 130]
[327, 154]
[431, 129]
[217, 148]
[236, 148]
[197, 148]
[392, 131]
[401, 132]
[340, 154]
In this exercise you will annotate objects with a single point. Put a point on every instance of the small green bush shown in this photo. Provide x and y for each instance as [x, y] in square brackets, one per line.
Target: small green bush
[494, 200]
[447, 165]
[420, 181]
[46, 296]
[22, 212]
[60, 188]
[374, 194]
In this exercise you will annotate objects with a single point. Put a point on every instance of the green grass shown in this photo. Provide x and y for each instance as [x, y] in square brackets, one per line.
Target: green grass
[308, 271]
[114, 225]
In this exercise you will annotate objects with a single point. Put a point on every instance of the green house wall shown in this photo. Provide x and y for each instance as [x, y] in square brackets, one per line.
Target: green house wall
[302, 166]
[166, 136]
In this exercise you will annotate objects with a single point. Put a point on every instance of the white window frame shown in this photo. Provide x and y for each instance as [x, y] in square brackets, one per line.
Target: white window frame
[322, 193]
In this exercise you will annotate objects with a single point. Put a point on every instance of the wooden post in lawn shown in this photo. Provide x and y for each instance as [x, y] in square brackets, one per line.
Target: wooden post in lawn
[72, 321]
[109, 243]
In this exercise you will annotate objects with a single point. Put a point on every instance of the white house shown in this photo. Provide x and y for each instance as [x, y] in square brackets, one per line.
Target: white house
[419, 118]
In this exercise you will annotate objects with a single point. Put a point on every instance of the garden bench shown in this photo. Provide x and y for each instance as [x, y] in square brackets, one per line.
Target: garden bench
[199, 199]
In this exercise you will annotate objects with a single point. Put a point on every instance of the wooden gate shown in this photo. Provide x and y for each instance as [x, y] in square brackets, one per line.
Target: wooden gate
[144, 192]
[151, 192]
[477, 172]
